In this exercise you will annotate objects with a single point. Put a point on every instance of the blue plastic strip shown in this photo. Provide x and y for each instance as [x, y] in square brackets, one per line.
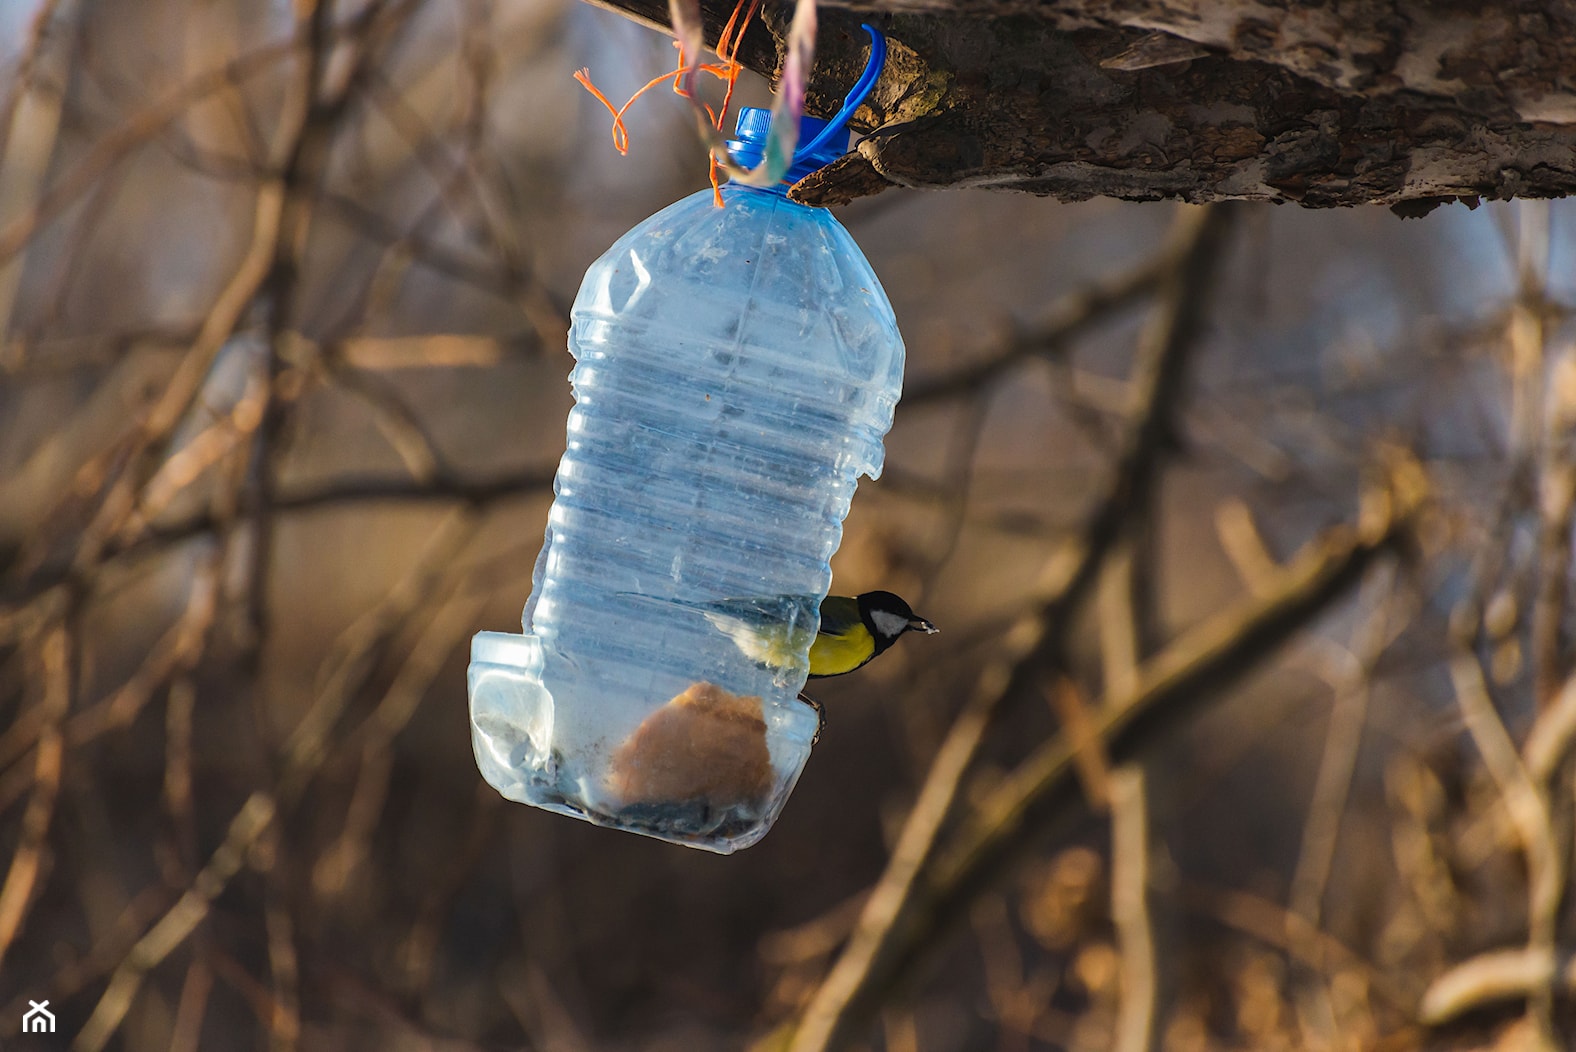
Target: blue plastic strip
[861, 90]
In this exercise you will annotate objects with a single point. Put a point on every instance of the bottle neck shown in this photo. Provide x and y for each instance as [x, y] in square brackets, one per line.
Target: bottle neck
[778, 189]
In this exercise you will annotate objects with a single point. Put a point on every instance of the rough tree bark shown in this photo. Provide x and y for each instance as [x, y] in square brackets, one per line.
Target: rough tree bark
[1319, 103]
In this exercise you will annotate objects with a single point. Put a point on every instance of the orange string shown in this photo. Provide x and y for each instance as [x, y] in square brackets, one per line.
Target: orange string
[653, 82]
[727, 30]
[731, 57]
[620, 133]
[727, 70]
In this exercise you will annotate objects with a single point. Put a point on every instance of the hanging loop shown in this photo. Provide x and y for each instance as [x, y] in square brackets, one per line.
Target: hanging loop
[856, 96]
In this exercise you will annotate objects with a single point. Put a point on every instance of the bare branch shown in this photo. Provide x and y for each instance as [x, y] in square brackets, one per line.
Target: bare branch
[1499, 975]
[17, 891]
[888, 943]
[1137, 1025]
[249, 823]
[845, 1000]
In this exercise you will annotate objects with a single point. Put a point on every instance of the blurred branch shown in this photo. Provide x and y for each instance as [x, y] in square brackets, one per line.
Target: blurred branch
[1553, 736]
[303, 755]
[534, 300]
[441, 258]
[1530, 811]
[1075, 717]
[1528, 784]
[1275, 926]
[186, 1030]
[119, 472]
[339, 862]
[313, 108]
[127, 464]
[324, 92]
[1179, 678]
[353, 659]
[433, 351]
[854, 989]
[419, 951]
[249, 823]
[119, 142]
[1066, 320]
[398, 422]
[177, 651]
[1544, 422]
[284, 1023]
[1498, 975]
[1156, 392]
[1126, 617]
[1349, 673]
[1242, 543]
[17, 892]
[477, 493]
[29, 125]
[1137, 1026]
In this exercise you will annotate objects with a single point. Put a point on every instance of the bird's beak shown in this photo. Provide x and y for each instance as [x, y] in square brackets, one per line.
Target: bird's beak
[919, 624]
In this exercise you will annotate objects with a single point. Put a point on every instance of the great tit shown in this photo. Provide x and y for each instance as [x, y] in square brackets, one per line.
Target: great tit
[854, 629]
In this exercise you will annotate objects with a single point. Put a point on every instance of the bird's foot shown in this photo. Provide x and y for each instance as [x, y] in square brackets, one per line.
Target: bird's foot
[820, 716]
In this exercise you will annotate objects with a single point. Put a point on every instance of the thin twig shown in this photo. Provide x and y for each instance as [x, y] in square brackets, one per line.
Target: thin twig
[129, 134]
[1127, 637]
[1349, 673]
[29, 125]
[186, 1031]
[1528, 805]
[1272, 924]
[177, 651]
[849, 996]
[249, 823]
[338, 863]
[1137, 1029]
[1065, 321]
[353, 660]
[1553, 735]
[284, 1025]
[334, 493]
[1542, 419]
[1498, 975]
[17, 891]
[914, 913]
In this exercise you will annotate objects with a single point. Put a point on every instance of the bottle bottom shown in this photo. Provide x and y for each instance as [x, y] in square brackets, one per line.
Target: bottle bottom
[708, 769]
[692, 823]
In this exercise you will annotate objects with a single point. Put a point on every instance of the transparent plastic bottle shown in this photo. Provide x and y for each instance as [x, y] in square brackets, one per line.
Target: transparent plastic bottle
[737, 369]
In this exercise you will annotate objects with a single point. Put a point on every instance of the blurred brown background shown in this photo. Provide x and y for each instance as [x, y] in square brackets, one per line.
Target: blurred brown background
[284, 293]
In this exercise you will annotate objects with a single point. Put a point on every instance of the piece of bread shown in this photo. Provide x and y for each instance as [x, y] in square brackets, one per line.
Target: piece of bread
[706, 746]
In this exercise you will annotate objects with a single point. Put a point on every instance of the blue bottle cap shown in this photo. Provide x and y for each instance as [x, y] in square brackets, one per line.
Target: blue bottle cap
[755, 123]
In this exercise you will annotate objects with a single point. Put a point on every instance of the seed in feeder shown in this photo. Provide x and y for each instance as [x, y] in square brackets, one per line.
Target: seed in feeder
[706, 746]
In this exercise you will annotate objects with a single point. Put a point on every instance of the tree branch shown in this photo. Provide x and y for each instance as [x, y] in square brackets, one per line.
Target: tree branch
[1367, 102]
[1173, 684]
[841, 1006]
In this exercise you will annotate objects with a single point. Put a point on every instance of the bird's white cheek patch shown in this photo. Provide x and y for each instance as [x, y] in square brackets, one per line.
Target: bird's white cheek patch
[889, 625]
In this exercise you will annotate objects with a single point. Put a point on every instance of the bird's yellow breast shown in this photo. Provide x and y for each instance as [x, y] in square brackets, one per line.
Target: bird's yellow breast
[833, 655]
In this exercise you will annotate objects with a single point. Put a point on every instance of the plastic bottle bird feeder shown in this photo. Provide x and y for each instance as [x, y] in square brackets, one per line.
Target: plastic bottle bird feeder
[736, 371]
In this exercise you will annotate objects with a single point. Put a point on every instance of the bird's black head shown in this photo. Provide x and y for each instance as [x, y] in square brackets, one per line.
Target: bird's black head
[887, 617]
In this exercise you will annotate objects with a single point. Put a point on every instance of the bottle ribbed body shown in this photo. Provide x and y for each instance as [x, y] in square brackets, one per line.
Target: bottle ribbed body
[736, 371]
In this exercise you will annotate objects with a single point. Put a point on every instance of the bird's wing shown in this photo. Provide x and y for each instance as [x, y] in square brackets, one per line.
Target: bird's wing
[839, 614]
[760, 628]
[773, 609]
